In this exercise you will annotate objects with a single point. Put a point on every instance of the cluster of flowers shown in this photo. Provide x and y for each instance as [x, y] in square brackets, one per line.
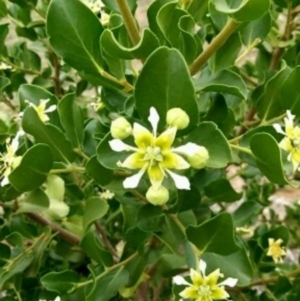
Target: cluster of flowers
[154, 153]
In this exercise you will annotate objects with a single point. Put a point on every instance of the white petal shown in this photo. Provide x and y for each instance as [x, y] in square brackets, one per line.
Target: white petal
[133, 181]
[179, 280]
[4, 181]
[188, 149]
[15, 144]
[118, 145]
[153, 119]
[50, 109]
[290, 116]
[278, 128]
[181, 182]
[229, 282]
[202, 266]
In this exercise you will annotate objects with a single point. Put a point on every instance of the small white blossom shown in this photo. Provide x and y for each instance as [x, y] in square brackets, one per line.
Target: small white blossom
[205, 288]
[9, 159]
[291, 141]
[4, 66]
[154, 154]
[107, 195]
[41, 109]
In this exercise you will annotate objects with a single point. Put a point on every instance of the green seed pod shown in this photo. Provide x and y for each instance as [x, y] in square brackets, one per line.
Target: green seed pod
[178, 118]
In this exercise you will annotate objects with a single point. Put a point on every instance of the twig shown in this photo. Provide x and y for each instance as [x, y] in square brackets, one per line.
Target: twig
[105, 240]
[129, 21]
[56, 80]
[278, 52]
[8, 103]
[216, 43]
[61, 232]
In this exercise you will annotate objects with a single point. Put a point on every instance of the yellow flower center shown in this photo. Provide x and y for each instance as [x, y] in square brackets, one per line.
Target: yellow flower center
[295, 143]
[154, 155]
[205, 292]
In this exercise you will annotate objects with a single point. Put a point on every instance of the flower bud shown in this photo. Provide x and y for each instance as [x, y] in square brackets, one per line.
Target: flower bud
[177, 117]
[120, 128]
[199, 158]
[157, 195]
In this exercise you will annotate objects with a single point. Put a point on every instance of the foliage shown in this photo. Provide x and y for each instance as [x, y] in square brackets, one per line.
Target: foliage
[130, 152]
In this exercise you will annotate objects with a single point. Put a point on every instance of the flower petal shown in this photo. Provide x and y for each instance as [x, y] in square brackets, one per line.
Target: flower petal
[50, 109]
[134, 161]
[142, 136]
[4, 181]
[153, 119]
[231, 282]
[219, 293]
[133, 181]
[174, 161]
[181, 182]
[196, 278]
[179, 280]
[118, 145]
[202, 266]
[190, 293]
[156, 175]
[278, 128]
[166, 139]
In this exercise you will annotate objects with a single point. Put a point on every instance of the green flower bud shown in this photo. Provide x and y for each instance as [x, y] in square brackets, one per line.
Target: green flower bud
[177, 117]
[120, 128]
[199, 158]
[157, 195]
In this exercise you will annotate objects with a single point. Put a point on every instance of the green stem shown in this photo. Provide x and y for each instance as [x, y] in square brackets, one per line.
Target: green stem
[129, 21]
[241, 149]
[81, 153]
[70, 169]
[18, 68]
[215, 45]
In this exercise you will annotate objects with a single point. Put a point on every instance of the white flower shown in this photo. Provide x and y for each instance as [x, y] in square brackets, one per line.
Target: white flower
[154, 154]
[205, 288]
[275, 250]
[4, 66]
[9, 160]
[107, 195]
[41, 109]
[291, 141]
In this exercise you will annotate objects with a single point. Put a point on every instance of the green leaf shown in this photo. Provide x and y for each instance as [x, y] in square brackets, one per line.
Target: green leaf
[95, 208]
[207, 134]
[248, 10]
[177, 27]
[107, 285]
[99, 173]
[197, 9]
[33, 169]
[165, 83]
[91, 246]
[268, 157]
[71, 118]
[16, 265]
[49, 134]
[215, 235]
[150, 218]
[222, 191]
[3, 33]
[3, 9]
[224, 81]
[236, 265]
[34, 201]
[111, 46]
[4, 82]
[76, 42]
[4, 254]
[246, 212]
[60, 282]
[257, 29]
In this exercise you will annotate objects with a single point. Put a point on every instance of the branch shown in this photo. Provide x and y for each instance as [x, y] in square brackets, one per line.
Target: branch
[56, 80]
[215, 45]
[61, 232]
[129, 21]
[105, 240]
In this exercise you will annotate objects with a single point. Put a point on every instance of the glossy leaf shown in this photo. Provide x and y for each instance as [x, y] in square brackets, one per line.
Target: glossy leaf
[46, 133]
[215, 235]
[60, 282]
[247, 10]
[71, 118]
[35, 201]
[165, 83]
[268, 157]
[222, 191]
[142, 50]
[99, 173]
[33, 169]
[112, 4]
[207, 134]
[4, 82]
[224, 81]
[95, 208]
[76, 42]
